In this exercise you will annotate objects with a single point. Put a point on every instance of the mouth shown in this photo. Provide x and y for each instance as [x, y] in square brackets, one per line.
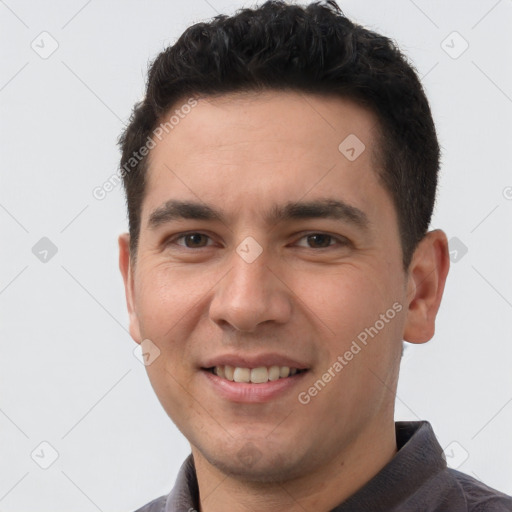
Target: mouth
[258, 375]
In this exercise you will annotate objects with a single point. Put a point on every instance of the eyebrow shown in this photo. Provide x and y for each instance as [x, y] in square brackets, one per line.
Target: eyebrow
[318, 209]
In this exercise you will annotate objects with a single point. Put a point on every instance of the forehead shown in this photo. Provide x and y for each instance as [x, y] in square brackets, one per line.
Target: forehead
[290, 117]
[249, 150]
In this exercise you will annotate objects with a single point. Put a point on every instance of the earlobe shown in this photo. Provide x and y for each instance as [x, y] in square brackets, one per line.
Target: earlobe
[126, 268]
[426, 280]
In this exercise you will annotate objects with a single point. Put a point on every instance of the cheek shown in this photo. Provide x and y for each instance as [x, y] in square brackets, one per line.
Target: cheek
[347, 308]
[170, 388]
[167, 302]
[166, 297]
[344, 301]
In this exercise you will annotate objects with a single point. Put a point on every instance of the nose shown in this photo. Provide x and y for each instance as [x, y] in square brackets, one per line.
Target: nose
[250, 294]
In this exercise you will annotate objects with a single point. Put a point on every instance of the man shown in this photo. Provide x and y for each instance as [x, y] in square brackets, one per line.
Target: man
[280, 176]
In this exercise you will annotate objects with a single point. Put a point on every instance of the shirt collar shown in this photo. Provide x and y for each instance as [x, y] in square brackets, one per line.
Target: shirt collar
[417, 472]
[184, 496]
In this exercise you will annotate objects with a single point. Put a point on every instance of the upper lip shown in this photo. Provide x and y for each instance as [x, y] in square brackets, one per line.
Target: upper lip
[255, 361]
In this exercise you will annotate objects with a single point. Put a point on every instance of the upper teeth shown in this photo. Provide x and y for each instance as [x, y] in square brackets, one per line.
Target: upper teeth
[255, 375]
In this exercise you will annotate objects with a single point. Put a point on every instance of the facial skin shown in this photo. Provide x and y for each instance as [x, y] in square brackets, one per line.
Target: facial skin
[304, 298]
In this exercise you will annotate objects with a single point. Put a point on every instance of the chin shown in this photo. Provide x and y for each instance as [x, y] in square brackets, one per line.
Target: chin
[257, 464]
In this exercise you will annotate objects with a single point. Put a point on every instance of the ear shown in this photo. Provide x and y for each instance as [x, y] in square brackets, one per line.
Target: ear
[126, 267]
[426, 279]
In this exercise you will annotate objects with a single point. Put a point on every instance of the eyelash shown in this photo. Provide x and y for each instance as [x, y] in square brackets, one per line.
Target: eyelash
[340, 239]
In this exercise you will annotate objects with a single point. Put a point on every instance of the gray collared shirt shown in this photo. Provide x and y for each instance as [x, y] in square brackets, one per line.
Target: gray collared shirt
[415, 480]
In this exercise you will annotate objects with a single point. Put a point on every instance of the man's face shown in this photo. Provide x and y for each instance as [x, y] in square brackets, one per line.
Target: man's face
[270, 283]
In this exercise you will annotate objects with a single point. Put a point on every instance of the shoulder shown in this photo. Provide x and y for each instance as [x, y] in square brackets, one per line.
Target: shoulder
[481, 497]
[157, 505]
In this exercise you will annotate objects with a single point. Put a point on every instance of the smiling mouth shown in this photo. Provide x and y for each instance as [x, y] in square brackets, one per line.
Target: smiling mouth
[259, 375]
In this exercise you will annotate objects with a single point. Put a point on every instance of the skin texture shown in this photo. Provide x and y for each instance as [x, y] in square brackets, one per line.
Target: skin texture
[301, 298]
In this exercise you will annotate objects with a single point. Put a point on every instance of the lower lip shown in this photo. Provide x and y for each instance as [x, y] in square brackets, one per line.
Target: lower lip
[246, 392]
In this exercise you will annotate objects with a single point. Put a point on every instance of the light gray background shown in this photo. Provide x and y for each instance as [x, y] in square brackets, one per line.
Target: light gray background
[68, 373]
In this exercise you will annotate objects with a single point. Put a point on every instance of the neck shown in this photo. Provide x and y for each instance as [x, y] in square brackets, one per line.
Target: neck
[321, 489]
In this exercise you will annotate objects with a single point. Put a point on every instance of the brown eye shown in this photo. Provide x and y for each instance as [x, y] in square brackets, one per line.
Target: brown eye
[319, 241]
[322, 241]
[193, 240]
